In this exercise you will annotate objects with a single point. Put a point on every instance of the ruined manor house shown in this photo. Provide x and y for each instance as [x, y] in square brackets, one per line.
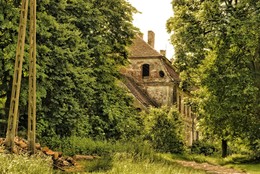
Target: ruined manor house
[153, 81]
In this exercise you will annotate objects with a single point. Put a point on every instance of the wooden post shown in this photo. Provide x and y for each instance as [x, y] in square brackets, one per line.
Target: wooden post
[32, 80]
[14, 102]
[16, 86]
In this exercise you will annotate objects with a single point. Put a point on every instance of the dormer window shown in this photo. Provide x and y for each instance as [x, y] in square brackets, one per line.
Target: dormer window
[145, 70]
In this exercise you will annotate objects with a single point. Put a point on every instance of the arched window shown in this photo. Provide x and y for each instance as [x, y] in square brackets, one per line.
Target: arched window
[145, 70]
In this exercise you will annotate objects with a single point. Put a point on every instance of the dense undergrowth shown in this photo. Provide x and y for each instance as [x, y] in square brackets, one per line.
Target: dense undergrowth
[141, 149]
[154, 150]
[116, 157]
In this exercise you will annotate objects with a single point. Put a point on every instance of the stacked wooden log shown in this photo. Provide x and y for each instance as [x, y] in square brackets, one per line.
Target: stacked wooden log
[60, 162]
[21, 147]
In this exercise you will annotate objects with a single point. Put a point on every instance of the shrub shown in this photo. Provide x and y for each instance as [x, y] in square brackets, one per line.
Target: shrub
[164, 129]
[256, 149]
[53, 142]
[202, 147]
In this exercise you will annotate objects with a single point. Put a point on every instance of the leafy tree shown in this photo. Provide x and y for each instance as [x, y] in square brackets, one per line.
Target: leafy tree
[219, 51]
[81, 44]
[8, 36]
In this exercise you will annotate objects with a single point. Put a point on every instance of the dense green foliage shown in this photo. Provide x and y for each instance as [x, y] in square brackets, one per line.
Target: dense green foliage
[164, 129]
[203, 147]
[217, 48]
[81, 145]
[81, 44]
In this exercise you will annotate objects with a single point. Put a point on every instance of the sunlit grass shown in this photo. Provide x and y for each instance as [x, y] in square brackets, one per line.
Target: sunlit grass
[236, 161]
[122, 163]
[249, 168]
[144, 167]
[125, 164]
[22, 164]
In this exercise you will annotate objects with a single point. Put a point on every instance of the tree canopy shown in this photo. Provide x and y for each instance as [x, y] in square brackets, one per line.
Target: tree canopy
[217, 49]
[81, 44]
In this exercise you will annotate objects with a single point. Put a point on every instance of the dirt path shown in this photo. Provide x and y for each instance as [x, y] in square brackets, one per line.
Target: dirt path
[209, 168]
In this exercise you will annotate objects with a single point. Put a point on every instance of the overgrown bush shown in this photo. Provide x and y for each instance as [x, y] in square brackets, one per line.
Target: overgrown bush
[164, 129]
[202, 147]
[85, 146]
[256, 149]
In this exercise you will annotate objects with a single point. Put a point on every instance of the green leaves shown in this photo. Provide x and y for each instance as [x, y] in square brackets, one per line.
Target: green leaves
[80, 47]
[216, 44]
[164, 128]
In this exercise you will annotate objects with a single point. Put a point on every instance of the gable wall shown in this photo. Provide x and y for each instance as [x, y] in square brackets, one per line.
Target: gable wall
[158, 88]
[135, 69]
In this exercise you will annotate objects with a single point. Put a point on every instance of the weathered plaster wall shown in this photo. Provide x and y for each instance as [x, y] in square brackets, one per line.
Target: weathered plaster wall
[159, 88]
[161, 94]
[135, 69]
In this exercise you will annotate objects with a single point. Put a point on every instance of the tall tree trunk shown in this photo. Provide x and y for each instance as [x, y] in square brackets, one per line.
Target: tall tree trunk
[224, 148]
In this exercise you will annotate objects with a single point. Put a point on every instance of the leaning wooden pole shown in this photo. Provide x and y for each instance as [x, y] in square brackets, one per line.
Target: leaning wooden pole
[32, 80]
[14, 102]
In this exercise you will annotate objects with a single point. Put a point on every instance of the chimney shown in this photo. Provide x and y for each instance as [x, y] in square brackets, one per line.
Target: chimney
[151, 36]
[163, 52]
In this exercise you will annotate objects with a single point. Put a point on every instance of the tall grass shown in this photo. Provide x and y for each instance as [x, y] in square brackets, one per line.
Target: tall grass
[126, 164]
[86, 146]
[22, 164]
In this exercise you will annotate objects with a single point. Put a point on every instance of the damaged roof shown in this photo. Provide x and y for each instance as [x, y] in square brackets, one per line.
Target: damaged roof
[140, 94]
[140, 48]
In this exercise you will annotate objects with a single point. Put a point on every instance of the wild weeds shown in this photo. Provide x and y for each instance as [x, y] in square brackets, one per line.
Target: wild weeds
[23, 164]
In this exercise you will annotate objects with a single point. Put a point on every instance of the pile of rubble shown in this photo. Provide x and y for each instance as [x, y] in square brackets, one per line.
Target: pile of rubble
[59, 161]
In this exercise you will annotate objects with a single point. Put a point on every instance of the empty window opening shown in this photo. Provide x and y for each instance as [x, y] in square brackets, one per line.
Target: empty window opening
[146, 70]
[161, 73]
[174, 95]
[180, 104]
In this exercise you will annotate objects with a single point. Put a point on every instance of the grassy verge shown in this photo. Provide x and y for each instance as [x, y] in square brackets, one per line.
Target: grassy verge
[117, 164]
[240, 162]
[249, 168]
[128, 164]
[20, 164]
